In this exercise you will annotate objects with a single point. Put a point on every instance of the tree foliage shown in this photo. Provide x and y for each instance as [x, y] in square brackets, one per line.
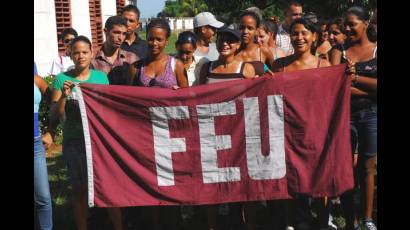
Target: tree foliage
[324, 9]
[184, 8]
[335, 8]
[43, 114]
[229, 10]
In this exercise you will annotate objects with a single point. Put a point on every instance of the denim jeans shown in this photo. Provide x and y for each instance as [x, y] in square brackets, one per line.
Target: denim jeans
[42, 197]
[363, 126]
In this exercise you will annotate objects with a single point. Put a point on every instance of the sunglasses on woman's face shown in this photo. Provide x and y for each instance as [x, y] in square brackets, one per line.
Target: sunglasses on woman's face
[67, 41]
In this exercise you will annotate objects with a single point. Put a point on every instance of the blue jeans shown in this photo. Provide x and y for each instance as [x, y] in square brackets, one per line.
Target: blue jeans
[363, 127]
[42, 197]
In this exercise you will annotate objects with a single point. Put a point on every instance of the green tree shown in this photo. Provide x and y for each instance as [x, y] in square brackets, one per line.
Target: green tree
[184, 8]
[219, 8]
[228, 11]
[335, 8]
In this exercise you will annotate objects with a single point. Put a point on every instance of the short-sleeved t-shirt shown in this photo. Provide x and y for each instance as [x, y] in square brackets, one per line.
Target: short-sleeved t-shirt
[212, 54]
[61, 64]
[35, 69]
[72, 127]
[202, 58]
[139, 47]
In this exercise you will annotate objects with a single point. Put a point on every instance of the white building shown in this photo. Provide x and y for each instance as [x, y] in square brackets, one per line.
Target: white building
[87, 17]
[181, 24]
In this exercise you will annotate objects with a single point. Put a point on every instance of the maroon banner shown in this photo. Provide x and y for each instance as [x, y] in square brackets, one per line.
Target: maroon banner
[245, 140]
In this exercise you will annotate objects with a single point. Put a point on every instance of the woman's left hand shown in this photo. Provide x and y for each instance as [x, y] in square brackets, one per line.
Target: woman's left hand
[351, 68]
[175, 87]
[271, 73]
[47, 140]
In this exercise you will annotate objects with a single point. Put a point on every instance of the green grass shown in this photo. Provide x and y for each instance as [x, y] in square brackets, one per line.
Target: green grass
[60, 193]
[170, 48]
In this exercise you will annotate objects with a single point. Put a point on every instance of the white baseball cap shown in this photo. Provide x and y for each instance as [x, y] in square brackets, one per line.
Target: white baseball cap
[206, 18]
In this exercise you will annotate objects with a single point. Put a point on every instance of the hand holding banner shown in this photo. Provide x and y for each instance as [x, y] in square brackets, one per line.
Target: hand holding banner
[225, 142]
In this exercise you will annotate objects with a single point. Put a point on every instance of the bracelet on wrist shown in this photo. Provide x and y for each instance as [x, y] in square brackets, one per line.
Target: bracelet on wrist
[354, 80]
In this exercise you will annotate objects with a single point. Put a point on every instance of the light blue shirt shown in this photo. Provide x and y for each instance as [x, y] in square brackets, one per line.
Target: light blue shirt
[37, 100]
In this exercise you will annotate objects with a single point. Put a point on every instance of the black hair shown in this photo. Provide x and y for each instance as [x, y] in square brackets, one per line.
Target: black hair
[307, 23]
[197, 30]
[253, 15]
[292, 3]
[115, 21]
[186, 37]
[80, 38]
[269, 26]
[227, 33]
[319, 24]
[339, 22]
[256, 10]
[311, 16]
[323, 22]
[68, 31]
[360, 12]
[159, 23]
[132, 8]
[372, 32]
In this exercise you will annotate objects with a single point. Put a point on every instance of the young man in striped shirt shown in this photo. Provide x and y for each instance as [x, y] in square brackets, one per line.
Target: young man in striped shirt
[293, 11]
[111, 59]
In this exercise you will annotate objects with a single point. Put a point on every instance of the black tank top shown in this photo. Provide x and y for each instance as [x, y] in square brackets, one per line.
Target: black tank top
[220, 77]
[367, 69]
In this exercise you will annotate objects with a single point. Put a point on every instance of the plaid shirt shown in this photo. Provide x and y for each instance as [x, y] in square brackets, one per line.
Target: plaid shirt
[101, 63]
[283, 41]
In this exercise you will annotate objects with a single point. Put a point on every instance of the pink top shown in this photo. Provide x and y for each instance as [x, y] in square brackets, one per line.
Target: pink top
[166, 80]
